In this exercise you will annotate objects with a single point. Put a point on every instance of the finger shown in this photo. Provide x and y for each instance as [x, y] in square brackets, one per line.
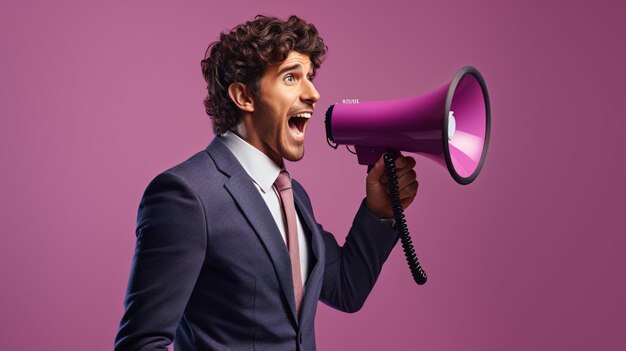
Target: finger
[404, 162]
[403, 165]
[409, 191]
[406, 202]
[377, 171]
[407, 178]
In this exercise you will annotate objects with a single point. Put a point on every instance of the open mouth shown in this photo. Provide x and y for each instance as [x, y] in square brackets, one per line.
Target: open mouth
[297, 124]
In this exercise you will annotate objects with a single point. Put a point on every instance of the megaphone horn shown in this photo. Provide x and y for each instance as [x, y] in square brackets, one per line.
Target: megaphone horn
[450, 125]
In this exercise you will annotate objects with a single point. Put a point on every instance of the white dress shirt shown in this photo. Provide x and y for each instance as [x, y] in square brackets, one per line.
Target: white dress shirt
[263, 173]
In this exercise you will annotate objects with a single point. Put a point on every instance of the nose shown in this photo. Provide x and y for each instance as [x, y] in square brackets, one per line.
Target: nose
[309, 93]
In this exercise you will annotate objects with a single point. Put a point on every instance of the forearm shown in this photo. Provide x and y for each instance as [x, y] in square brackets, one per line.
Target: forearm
[352, 270]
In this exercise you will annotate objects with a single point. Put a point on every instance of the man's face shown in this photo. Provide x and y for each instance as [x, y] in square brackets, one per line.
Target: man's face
[282, 109]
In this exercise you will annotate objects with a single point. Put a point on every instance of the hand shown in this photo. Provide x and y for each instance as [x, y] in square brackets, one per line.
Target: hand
[377, 188]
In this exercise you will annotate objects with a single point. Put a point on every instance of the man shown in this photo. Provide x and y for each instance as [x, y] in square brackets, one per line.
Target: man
[229, 255]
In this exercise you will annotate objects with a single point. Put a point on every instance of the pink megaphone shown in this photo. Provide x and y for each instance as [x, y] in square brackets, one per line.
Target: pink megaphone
[450, 125]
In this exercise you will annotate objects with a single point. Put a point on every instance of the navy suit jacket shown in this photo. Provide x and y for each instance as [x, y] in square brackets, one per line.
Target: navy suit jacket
[212, 272]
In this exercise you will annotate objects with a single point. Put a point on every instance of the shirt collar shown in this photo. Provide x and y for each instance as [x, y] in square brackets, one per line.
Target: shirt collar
[258, 165]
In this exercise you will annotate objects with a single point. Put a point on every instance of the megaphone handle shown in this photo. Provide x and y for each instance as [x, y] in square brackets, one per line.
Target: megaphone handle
[407, 245]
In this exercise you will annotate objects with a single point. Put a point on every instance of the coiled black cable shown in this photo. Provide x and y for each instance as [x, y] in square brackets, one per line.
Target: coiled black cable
[409, 252]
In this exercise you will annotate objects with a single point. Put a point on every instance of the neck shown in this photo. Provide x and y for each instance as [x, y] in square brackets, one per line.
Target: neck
[246, 132]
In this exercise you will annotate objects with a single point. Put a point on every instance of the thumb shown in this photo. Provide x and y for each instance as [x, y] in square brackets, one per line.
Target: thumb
[377, 171]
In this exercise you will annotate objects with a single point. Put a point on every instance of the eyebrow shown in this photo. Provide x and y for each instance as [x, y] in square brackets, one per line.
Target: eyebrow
[289, 68]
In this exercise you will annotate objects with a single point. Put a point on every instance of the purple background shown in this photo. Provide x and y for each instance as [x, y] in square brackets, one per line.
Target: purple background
[96, 99]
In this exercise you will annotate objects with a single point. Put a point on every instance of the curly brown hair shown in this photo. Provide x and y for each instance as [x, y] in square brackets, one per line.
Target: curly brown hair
[243, 55]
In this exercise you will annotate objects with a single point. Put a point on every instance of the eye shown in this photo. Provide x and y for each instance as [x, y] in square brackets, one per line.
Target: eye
[290, 78]
[310, 77]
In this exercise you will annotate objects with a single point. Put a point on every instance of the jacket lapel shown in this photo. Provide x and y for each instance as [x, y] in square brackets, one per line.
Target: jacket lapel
[314, 282]
[247, 197]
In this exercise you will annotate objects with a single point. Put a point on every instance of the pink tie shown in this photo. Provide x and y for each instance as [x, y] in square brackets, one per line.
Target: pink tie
[283, 185]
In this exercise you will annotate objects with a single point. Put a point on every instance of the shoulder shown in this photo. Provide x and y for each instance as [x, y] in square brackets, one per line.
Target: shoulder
[196, 169]
[192, 181]
[195, 173]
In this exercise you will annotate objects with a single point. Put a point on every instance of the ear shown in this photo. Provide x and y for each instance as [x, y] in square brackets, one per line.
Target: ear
[240, 95]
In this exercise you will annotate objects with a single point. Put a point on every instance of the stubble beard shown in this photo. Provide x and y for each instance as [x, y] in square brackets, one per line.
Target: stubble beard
[290, 150]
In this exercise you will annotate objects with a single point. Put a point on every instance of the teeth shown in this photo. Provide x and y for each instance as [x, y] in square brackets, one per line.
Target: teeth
[303, 115]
